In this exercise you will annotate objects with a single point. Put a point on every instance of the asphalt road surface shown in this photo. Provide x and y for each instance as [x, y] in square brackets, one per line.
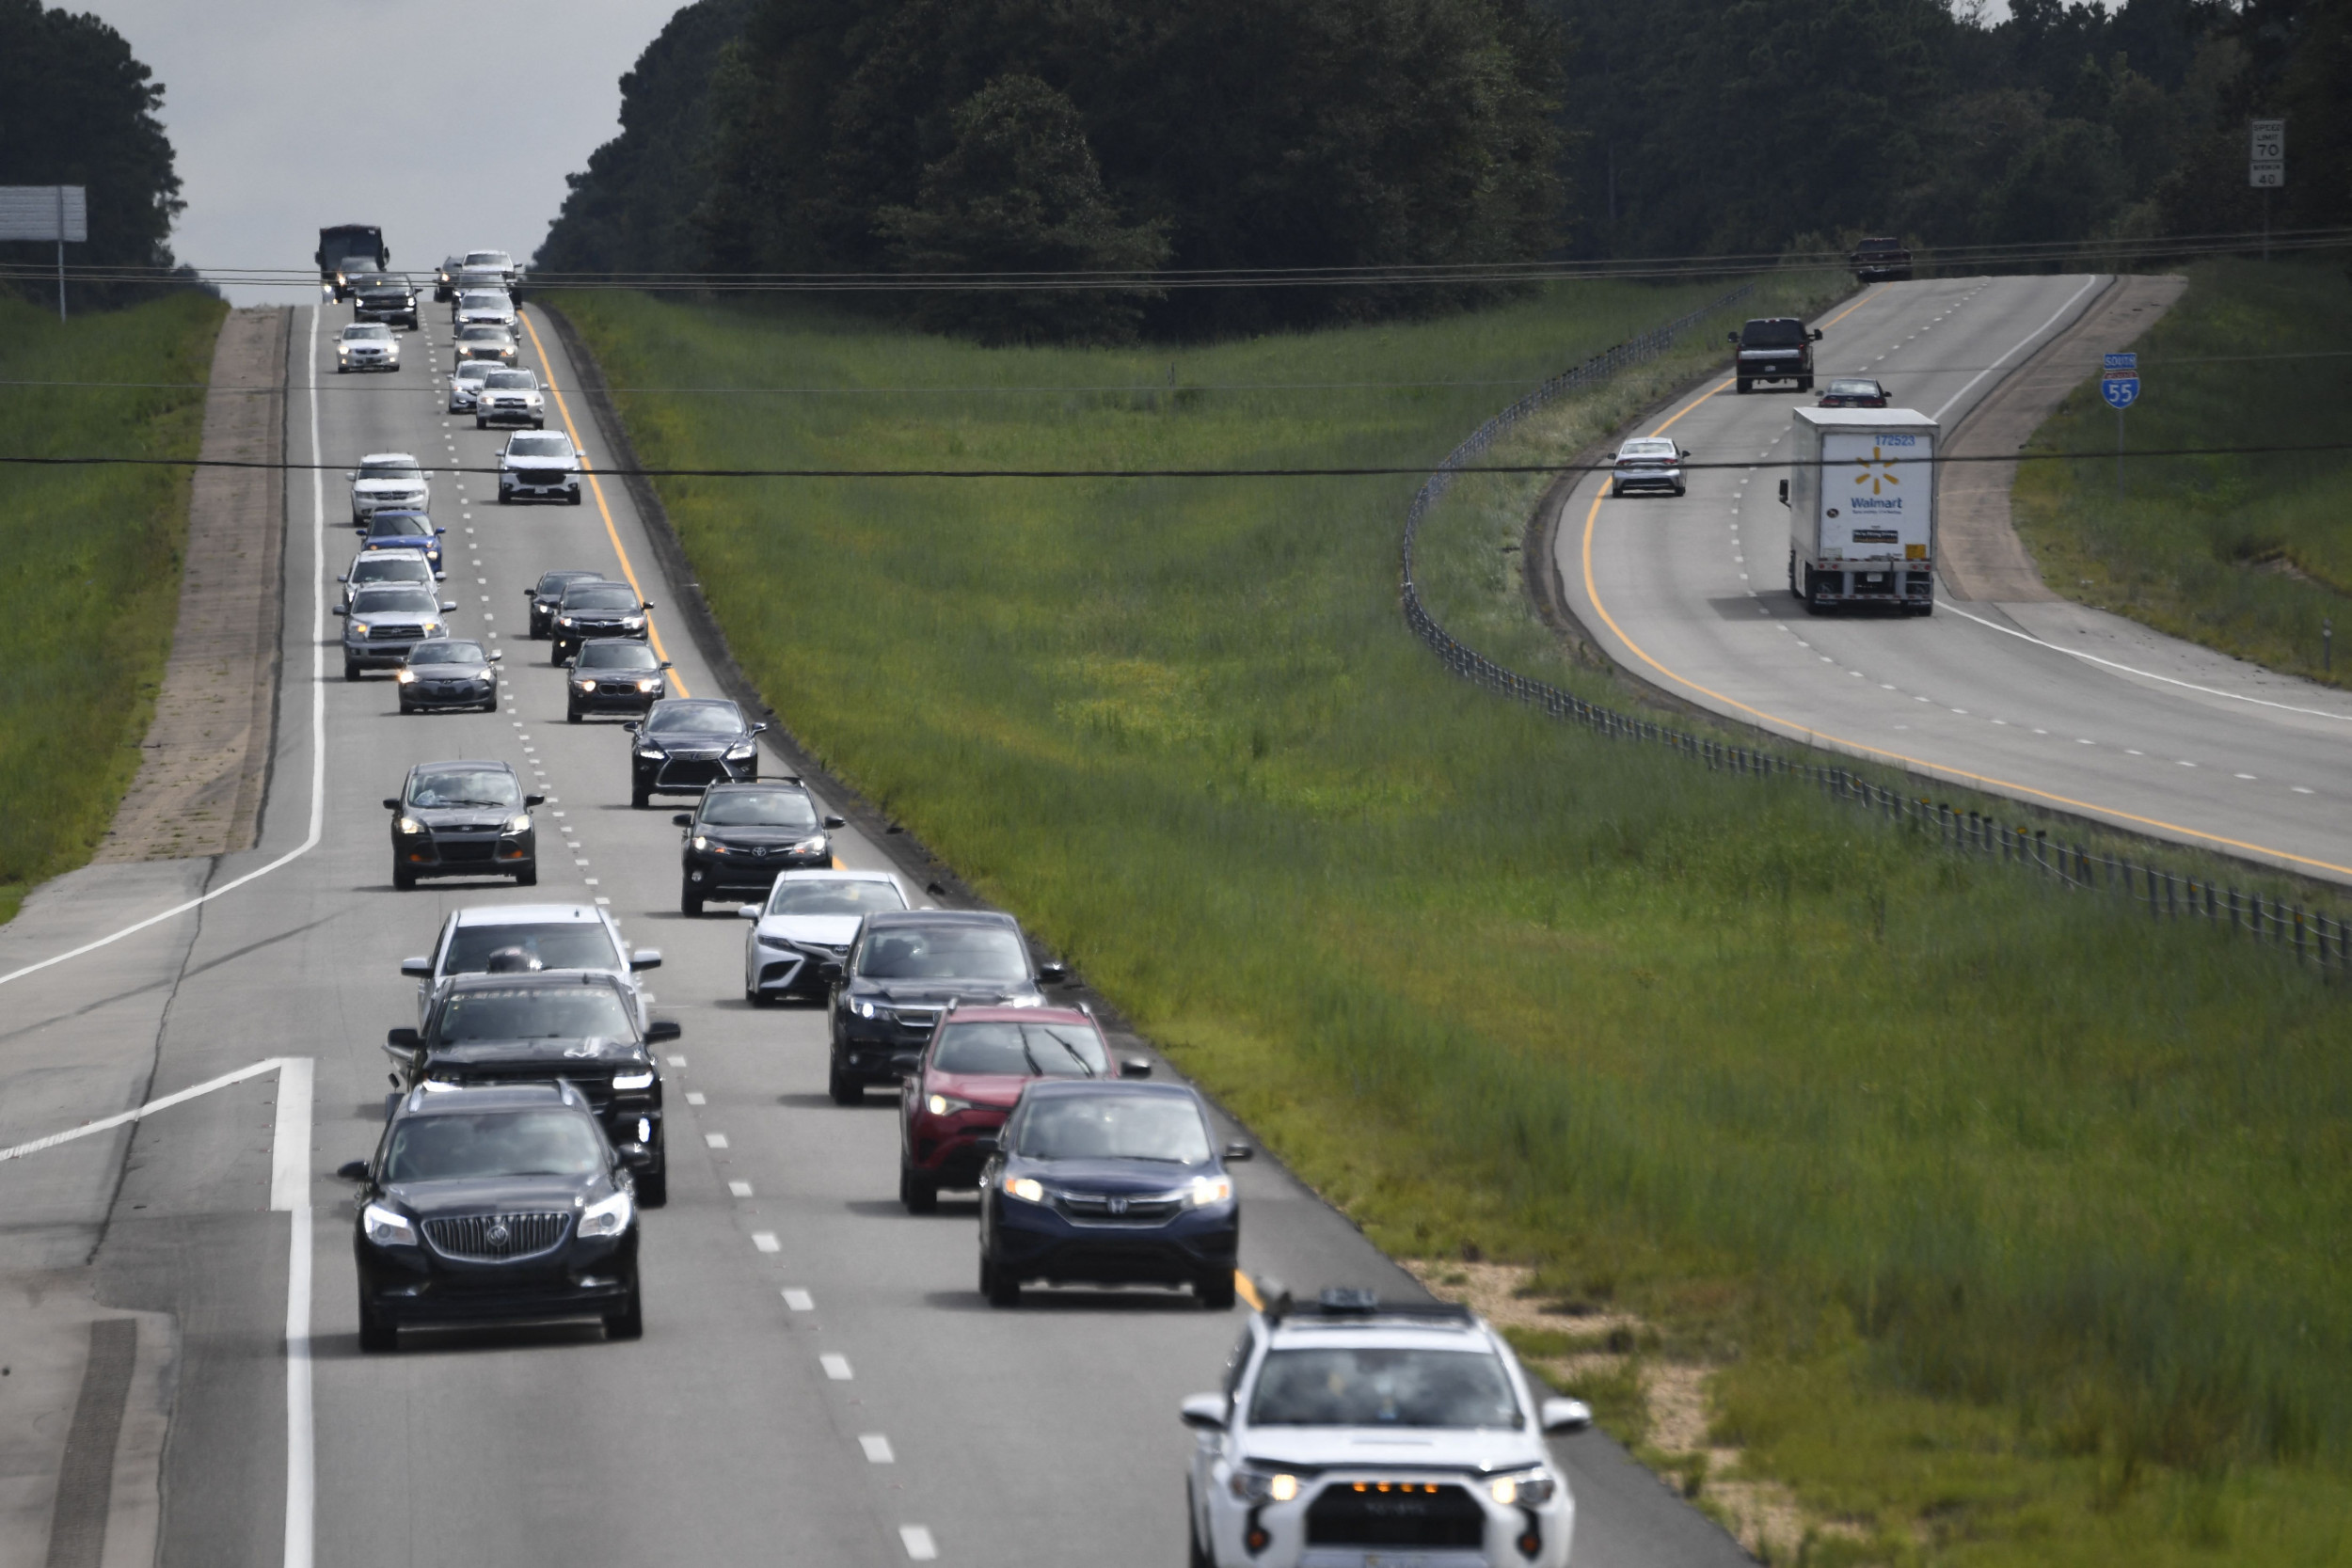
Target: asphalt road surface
[820, 1381]
[2054, 703]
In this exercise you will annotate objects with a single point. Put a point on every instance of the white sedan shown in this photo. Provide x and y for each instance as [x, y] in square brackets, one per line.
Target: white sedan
[807, 924]
[367, 346]
[1648, 463]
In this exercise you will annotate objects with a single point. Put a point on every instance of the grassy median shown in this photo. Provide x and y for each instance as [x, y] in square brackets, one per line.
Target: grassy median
[2247, 554]
[2015, 1225]
[90, 562]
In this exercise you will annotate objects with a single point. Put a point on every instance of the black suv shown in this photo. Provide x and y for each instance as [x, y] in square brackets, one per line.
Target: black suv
[685, 745]
[537, 1026]
[547, 592]
[743, 834]
[1881, 261]
[594, 610]
[484, 1204]
[462, 819]
[382, 297]
[1775, 348]
[900, 977]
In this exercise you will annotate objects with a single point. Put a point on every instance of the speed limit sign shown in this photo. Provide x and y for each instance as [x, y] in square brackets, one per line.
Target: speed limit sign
[2266, 155]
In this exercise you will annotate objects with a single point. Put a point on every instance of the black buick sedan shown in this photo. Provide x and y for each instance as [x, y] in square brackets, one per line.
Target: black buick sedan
[462, 819]
[489, 1204]
[743, 835]
[685, 745]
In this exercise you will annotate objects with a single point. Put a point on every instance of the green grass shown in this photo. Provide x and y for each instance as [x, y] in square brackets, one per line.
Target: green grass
[89, 563]
[2019, 1221]
[2249, 555]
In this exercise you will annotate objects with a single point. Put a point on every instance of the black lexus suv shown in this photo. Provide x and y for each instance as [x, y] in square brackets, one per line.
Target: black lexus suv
[900, 974]
[462, 819]
[495, 1203]
[527, 1026]
[741, 835]
[1775, 348]
[685, 745]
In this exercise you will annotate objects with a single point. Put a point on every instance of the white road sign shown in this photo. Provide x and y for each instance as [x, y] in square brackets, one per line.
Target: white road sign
[55, 212]
[2267, 155]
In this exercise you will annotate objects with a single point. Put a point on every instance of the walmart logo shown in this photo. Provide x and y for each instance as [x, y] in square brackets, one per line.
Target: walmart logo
[1877, 469]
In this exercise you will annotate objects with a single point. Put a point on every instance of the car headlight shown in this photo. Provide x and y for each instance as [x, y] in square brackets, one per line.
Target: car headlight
[741, 749]
[403, 676]
[651, 753]
[441, 1083]
[866, 1009]
[702, 842]
[1529, 1489]
[808, 846]
[627, 1081]
[432, 627]
[649, 684]
[410, 825]
[563, 620]
[1027, 1189]
[633, 623]
[585, 685]
[519, 823]
[1263, 1486]
[946, 1104]
[386, 1226]
[359, 627]
[608, 1218]
[1207, 1190]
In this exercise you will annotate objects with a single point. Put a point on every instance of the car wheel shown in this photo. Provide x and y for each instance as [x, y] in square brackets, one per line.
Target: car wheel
[690, 903]
[572, 500]
[528, 876]
[844, 1089]
[404, 878]
[1196, 1555]
[1615, 490]
[479, 423]
[539, 424]
[919, 1192]
[571, 716]
[1805, 384]
[1745, 384]
[1680, 490]
[637, 799]
[1000, 1288]
[351, 671]
[505, 499]
[652, 1189]
[378, 1333]
[1216, 1290]
[405, 710]
[629, 1322]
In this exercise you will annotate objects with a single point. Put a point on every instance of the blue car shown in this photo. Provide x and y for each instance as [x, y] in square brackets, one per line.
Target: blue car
[404, 530]
[1108, 1182]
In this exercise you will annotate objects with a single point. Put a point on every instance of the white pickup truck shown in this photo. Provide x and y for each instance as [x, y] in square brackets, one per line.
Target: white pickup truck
[1861, 499]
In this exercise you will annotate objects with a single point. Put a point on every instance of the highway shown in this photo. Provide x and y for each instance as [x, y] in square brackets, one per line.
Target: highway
[820, 1382]
[2051, 703]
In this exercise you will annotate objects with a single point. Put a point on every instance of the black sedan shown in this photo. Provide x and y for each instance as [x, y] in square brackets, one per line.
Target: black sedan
[532, 1027]
[685, 745]
[547, 592]
[614, 674]
[1109, 1183]
[904, 970]
[743, 835]
[594, 610]
[489, 1204]
[447, 673]
[462, 819]
[1847, 391]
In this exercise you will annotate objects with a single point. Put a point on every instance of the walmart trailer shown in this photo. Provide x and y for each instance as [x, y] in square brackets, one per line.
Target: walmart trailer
[1861, 499]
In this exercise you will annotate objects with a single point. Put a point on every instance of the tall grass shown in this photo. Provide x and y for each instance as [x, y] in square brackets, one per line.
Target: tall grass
[2250, 555]
[1962, 1165]
[89, 562]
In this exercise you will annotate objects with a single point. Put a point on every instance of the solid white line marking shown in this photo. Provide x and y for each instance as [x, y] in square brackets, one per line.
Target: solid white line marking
[798, 1301]
[877, 1449]
[715, 1140]
[919, 1543]
[290, 1191]
[837, 1367]
[766, 1240]
[2089, 283]
[739, 1189]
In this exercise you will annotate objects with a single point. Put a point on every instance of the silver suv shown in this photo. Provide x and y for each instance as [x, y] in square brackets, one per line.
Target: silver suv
[538, 465]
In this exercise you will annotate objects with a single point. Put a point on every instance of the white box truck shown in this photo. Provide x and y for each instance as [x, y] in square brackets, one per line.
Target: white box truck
[1861, 499]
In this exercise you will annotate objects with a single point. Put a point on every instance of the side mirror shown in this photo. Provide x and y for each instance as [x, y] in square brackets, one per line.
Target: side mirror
[392, 802]
[831, 969]
[403, 1039]
[1239, 1152]
[647, 605]
[1135, 1067]
[1784, 492]
[1816, 334]
[496, 654]
[833, 822]
[531, 593]
[630, 725]
[1203, 1412]
[1731, 337]
[440, 576]
[986, 1143]
[343, 578]
[417, 969]
[645, 958]
[447, 605]
[529, 800]
[667, 665]
[664, 1030]
[1053, 973]
[760, 728]
[749, 911]
[352, 1170]
[683, 819]
[1562, 1416]
[341, 609]
[351, 474]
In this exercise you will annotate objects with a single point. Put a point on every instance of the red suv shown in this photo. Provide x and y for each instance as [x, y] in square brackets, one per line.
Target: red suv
[969, 1076]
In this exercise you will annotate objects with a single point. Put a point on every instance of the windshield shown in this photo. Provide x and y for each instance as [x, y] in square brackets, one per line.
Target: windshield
[1362, 1387]
[391, 471]
[465, 786]
[555, 582]
[483, 332]
[600, 598]
[1854, 389]
[476, 370]
[379, 569]
[512, 1143]
[617, 656]
[831, 897]
[514, 378]
[759, 808]
[1023, 1050]
[540, 1013]
[1649, 449]
[1113, 1127]
[484, 300]
[398, 525]
[539, 446]
[447, 652]
[693, 717]
[1772, 334]
[944, 953]
[574, 944]
[393, 601]
[489, 259]
[375, 332]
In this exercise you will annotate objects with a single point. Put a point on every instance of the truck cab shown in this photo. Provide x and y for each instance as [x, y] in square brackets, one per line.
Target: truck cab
[1775, 348]
[344, 243]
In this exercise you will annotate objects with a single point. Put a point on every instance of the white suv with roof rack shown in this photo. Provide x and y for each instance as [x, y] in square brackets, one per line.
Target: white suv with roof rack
[1353, 1433]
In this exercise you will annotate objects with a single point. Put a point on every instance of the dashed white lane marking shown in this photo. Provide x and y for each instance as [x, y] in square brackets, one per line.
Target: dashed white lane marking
[837, 1367]
[766, 1240]
[2299, 789]
[2188, 765]
[877, 1449]
[2080, 742]
[739, 1189]
[2247, 777]
[798, 1301]
[693, 1099]
[715, 1140]
[919, 1543]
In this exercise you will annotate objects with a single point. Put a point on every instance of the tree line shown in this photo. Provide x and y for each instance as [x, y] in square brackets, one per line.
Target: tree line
[929, 137]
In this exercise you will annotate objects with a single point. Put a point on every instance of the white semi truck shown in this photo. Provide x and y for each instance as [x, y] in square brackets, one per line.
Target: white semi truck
[1861, 499]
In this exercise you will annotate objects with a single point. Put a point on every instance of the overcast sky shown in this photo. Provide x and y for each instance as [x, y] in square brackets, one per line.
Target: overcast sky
[449, 123]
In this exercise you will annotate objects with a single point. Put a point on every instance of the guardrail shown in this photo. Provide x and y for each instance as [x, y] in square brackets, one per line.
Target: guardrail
[2314, 938]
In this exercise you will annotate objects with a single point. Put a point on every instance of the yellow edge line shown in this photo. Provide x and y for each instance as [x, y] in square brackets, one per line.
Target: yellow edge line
[563, 410]
[1592, 592]
[1248, 1291]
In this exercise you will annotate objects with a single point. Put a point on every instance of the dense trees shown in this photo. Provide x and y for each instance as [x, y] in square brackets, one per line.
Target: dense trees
[77, 110]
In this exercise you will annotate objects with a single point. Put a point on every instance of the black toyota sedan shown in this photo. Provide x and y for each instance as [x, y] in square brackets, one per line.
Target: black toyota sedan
[685, 745]
[547, 592]
[900, 974]
[1113, 1182]
[743, 834]
[494, 1203]
[462, 819]
[580, 1025]
[447, 673]
[614, 674]
[594, 610]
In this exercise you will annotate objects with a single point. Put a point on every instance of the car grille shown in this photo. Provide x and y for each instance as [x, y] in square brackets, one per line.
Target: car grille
[394, 634]
[1402, 1513]
[498, 1238]
[461, 851]
[539, 476]
[914, 1018]
[1100, 1209]
[693, 773]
